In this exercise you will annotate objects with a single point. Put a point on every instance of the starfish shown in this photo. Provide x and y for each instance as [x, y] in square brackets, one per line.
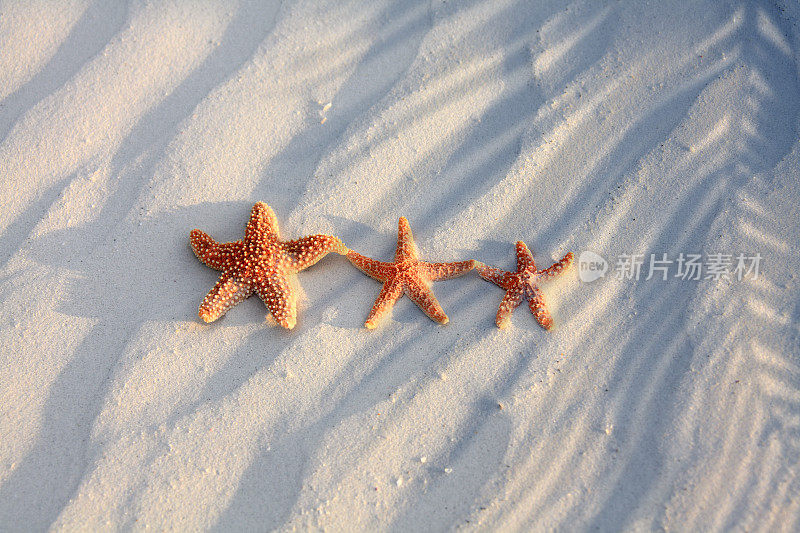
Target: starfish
[524, 283]
[260, 263]
[407, 274]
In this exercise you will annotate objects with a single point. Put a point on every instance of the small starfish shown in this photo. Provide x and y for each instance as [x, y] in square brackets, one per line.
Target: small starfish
[261, 263]
[524, 283]
[407, 274]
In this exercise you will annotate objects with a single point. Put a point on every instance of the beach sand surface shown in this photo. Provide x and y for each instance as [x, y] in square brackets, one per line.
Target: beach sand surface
[621, 128]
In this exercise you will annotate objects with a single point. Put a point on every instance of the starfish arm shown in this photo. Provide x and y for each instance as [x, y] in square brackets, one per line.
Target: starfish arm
[524, 257]
[262, 221]
[205, 248]
[559, 267]
[495, 275]
[302, 253]
[422, 295]
[390, 292]
[372, 268]
[440, 271]
[405, 242]
[228, 292]
[216, 255]
[508, 304]
[539, 310]
[280, 299]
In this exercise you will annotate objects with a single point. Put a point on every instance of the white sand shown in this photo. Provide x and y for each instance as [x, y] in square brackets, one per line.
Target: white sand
[620, 128]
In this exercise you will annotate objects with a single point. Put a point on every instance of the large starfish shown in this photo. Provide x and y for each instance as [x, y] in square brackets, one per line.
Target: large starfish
[524, 283]
[261, 263]
[407, 274]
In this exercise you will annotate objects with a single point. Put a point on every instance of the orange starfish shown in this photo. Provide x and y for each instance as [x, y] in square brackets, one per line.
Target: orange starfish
[407, 274]
[524, 283]
[261, 263]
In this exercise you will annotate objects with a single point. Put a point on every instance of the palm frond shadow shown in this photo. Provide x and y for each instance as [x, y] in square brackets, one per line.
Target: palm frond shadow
[77, 396]
[98, 24]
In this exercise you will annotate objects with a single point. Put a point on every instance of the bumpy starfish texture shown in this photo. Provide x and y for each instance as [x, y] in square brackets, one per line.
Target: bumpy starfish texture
[260, 263]
[407, 274]
[524, 283]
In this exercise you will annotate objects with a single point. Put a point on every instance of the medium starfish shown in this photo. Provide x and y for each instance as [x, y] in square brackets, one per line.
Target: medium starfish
[407, 274]
[524, 283]
[261, 263]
